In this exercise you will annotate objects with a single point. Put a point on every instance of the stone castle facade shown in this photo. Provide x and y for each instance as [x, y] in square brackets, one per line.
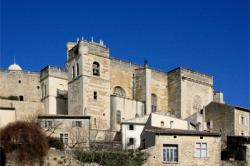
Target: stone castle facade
[107, 89]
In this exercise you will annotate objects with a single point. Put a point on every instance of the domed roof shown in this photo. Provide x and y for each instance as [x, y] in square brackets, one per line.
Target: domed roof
[14, 67]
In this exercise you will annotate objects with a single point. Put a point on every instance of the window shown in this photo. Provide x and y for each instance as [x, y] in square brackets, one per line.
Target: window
[171, 124]
[64, 138]
[118, 91]
[242, 120]
[77, 124]
[118, 117]
[131, 141]
[44, 90]
[73, 72]
[96, 69]
[201, 150]
[19, 81]
[162, 123]
[210, 125]
[153, 103]
[21, 98]
[131, 127]
[95, 95]
[48, 124]
[170, 153]
[242, 133]
[77, 69]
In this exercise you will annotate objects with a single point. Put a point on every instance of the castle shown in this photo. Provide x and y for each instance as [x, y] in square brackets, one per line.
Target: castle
[96, 97]
[109, 90]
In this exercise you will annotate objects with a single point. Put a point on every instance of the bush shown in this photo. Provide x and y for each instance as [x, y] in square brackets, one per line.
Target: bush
[55, 143]
[109, 158]
[13, 98]
[25, 141]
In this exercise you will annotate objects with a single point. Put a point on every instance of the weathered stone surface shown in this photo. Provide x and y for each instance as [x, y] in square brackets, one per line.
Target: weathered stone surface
[186, 151]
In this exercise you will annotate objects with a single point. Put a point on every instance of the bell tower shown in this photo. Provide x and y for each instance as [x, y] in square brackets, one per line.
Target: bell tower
[89, 82]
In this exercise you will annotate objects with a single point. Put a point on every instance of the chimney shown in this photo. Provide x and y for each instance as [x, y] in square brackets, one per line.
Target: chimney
[218, 97]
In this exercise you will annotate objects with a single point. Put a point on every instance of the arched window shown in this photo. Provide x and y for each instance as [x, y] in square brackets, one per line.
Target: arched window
[118, 117]
[96, 69]
[118, 91]
[162, 123]
[153, 103]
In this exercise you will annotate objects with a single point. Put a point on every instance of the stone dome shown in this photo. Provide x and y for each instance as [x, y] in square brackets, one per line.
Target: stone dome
[14, 67]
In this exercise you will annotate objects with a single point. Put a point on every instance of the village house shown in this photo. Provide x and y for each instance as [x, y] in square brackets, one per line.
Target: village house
[181, 147]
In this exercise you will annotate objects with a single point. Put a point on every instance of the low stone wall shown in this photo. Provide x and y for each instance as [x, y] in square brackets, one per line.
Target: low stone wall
[233, 163]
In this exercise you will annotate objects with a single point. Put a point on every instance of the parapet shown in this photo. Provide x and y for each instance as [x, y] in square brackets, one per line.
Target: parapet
[187, 74]
[91, 47]
[54, 72]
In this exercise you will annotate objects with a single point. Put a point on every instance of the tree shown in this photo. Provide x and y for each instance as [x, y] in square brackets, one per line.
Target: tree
[25, 142]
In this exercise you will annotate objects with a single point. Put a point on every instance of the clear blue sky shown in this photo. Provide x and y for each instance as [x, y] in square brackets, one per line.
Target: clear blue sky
[210, 36]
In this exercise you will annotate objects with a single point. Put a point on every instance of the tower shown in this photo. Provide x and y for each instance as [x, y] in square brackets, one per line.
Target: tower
[89, 82]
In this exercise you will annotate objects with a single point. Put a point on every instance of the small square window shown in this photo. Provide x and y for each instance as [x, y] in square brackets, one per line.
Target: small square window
[242, 120]
[201, 150]
[131, 141]
[21, 98]
[131, 127]
[77, 124]
[48, 124]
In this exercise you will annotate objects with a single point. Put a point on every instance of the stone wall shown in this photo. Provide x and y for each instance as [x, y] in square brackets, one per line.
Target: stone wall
[128, 108]
[222, 117]
[174, 93]
[55, 80]
[159, 87]
[186, 151]
[196, 92]
[189, 91]
[83, 87]
[7, 115]
[20, 83]
[24, 110]
[98, 109]
[77, 136]
[123, 75]
[239, 128]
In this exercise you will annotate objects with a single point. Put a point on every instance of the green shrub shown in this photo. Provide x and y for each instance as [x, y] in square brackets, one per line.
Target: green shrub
[109, 158]
[55, 143]
[13, 98]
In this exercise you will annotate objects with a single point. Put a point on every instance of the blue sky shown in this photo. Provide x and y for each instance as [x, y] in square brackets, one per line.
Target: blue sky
[210, 36]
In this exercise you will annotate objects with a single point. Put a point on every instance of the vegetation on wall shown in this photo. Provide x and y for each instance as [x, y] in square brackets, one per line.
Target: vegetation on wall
[24, 142]
[55, 143]
[112, 158]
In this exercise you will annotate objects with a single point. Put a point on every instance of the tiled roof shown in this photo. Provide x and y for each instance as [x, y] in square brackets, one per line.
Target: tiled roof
[168, 131]
[232, 106]
[49, 116]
